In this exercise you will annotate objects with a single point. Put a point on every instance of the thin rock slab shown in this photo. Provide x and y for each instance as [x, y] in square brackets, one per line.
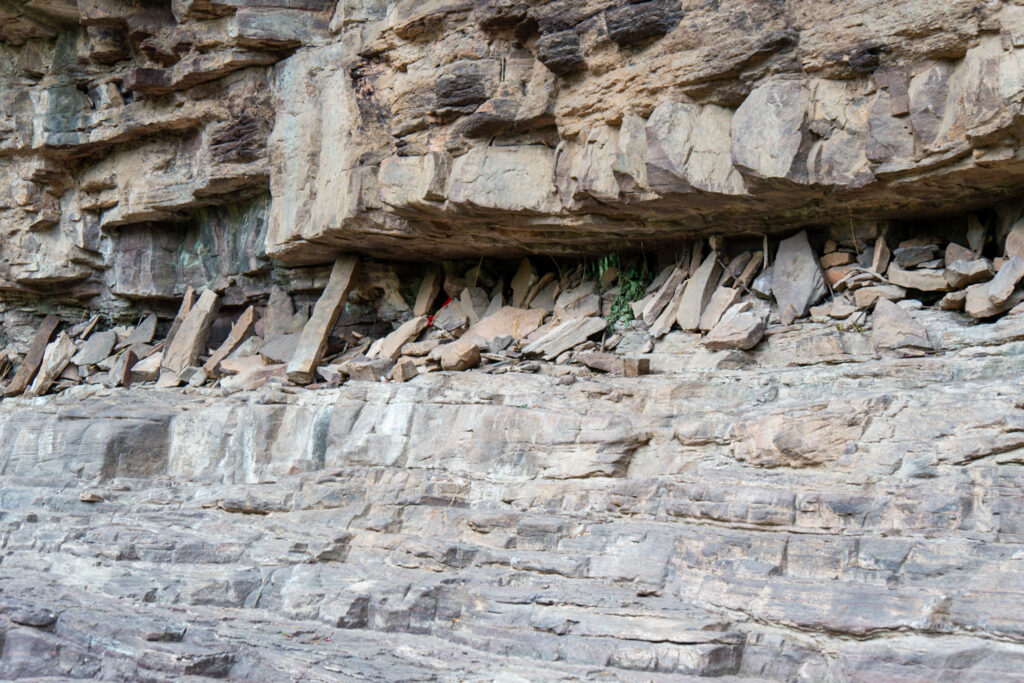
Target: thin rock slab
[429, 289]
[254, 378]
[148, 369]
[565, 336]
[616, 365]
[665, 294]
[280, 349]
[188, 300]
[96, 348]
[721, 301]
[697, 295]
[797, 280]
[142, 334]
[921, 280]
[313, 342]
[34, 357]
[240, 331]
[190, 339]
[56, 357]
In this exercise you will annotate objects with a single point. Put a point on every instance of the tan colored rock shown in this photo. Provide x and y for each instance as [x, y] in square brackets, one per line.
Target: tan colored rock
[664, 295]
[404, 370]
[741, 327]
[699, 290]
[1015, 241]
[187, 301]
[721, 301]
[313, 342]
[253, 378]
[954, 301]
[836, 258]
[616, 365]
[190, 339]
[922, 280]
[865, 297]
[459, 355]
[999, 294]
[148, 369]
[517, 323]
[880, 256]
[664, 323]
[36, 350]
[564, 336]
[390, 347]
[474, 302]
[954, 252]
[522, 283]
[428, 291]
[98, 347]
[239, 332]
[56, 357]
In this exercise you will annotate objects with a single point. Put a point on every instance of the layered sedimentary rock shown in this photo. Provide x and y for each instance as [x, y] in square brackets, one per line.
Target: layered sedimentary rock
[819, 514]
[144, 146]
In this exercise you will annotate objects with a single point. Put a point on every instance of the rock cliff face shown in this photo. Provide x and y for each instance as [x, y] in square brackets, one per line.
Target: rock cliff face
[824, 486]
[150, 145]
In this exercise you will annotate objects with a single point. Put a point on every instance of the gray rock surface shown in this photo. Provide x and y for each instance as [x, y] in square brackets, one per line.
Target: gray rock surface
[821, 513]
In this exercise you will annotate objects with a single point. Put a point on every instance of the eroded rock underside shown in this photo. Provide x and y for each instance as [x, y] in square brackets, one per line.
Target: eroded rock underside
[840, 502]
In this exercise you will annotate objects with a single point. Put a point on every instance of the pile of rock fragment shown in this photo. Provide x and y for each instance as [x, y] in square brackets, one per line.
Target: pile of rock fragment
[546, 322]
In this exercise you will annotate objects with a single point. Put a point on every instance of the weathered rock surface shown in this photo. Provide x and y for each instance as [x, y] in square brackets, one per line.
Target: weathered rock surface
[841, 517]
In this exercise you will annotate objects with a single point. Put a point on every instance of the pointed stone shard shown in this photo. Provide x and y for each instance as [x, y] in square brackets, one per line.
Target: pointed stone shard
[667, 319]
[522, 283]
[735, 269]
[187, 302]
[880, 257]
[664, 294]
[142, 334]
[1015, 240]
[96, 348]
[313, 342]
[190, 339]
[474, 303]
[999, 294]
[241, 330]
[894, 331]
[697, 295]
[751, 270]
[36, 350]
[56, 357]
[721, 301]
[563, 337]
[429, 289]
[390, 347]
[797, 280]
[279, 314]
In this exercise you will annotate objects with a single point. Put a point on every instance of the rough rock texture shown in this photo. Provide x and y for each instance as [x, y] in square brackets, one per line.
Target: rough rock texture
[820, 515]
[150, 146]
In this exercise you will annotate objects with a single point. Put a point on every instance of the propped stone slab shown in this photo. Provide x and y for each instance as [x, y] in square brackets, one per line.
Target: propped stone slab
[280, 349]
[190, 339]
[721, 301]
[429, 289]
[148, 369]
[142, 334]
[239, 332]
[313, 342]
[797, 280]
[667, 319]
[34, 357]
[98, 347]
[522, 283]
[56, 357]
[698, 293]
[921, 280]
[188, 300]
[563, 337]
[664, 295]
[122, 375]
